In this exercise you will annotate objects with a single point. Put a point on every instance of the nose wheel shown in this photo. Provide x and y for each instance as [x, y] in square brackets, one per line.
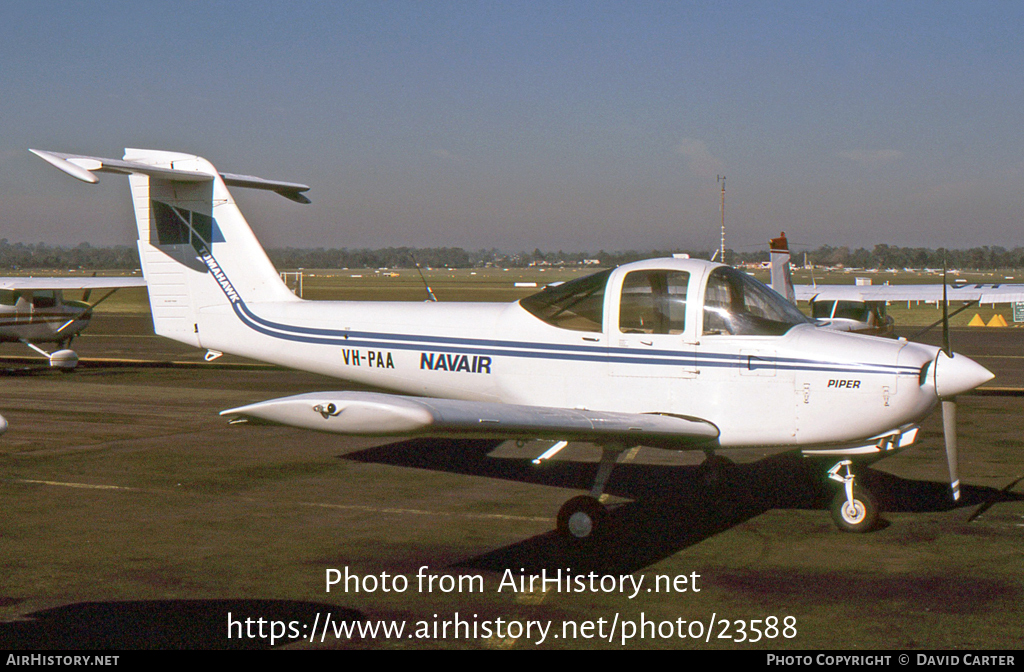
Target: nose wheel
[65, 360]
[853, 508]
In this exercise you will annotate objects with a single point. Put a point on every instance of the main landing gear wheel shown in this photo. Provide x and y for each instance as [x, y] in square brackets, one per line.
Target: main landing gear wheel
[583, 518]
[859, 515]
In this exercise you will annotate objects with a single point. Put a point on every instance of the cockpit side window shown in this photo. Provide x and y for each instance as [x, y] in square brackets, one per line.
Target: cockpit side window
[577, 305]
[653, 302]
[44, 298]
[822, 309]
[853, 310]
[737, 304]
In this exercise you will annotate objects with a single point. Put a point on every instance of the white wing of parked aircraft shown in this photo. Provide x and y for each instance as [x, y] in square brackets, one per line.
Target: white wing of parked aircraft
[31, 283]
[34, 311]
[676, 353]
[978, 292]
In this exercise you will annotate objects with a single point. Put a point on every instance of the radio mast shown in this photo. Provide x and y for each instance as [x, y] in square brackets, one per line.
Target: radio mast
[721, 250]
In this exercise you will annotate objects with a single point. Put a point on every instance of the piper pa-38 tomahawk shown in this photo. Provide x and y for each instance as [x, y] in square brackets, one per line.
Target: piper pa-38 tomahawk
[673, 353]
[34, 311]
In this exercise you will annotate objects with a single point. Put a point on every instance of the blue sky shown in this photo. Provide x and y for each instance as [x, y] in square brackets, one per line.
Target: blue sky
[559, 125]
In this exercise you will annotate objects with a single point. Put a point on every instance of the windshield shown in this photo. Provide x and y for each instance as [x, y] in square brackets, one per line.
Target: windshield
[577, 305]
[737, 304]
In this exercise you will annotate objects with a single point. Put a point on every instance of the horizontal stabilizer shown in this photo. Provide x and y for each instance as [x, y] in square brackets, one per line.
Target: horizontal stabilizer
[82, 168]
[289, 190]
[374, 414]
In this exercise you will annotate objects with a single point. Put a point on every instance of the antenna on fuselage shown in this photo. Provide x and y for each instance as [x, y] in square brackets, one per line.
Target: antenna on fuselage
[420, 271]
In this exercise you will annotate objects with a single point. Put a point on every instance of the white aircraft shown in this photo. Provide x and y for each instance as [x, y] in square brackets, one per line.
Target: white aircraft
[862, 308]
[34, 311]
[675, 353]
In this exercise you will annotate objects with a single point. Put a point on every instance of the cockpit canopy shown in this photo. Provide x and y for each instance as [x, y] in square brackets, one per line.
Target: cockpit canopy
[735, 303]
[658, 301]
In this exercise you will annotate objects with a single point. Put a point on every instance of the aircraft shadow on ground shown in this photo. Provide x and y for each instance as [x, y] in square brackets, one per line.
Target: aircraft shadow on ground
[163, 624]
[672, 507]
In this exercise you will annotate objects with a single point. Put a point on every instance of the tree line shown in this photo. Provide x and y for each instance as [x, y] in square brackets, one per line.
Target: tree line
[22, 256]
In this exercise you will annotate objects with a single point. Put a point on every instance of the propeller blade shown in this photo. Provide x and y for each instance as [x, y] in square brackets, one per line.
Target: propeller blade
[88, 292]
[88, 311]
[949, 433]
[945, 314]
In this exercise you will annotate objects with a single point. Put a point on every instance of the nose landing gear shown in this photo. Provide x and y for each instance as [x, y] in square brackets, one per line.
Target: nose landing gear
[853, 508]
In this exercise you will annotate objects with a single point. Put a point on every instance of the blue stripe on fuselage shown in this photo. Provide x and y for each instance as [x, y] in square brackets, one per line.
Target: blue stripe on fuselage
[521, 349]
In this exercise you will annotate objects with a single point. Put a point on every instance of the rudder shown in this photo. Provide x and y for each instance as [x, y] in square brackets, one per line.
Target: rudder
[781, 280]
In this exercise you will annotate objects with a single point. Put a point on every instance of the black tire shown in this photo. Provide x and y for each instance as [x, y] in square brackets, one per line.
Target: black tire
[583, 518]
[861, 517]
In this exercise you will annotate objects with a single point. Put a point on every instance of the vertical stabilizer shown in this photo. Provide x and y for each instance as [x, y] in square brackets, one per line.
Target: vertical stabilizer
[188, 229]
[782, 281]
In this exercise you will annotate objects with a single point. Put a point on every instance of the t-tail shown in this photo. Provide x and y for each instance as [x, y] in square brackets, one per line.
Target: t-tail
[782, 281]
[192, 239]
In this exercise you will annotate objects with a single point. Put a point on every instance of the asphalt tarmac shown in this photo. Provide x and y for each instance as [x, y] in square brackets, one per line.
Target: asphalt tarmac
[133, 516]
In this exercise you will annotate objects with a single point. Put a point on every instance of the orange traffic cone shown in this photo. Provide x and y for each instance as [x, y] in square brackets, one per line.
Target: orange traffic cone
[997, 321]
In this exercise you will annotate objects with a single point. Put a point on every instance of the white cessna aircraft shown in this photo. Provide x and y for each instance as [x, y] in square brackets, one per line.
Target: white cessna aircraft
[675, 353]
[34, 311]
[862, 308]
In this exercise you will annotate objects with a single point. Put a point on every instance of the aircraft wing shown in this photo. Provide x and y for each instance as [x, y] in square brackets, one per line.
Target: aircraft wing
[377, 414]
[31, 283]
[983, 293]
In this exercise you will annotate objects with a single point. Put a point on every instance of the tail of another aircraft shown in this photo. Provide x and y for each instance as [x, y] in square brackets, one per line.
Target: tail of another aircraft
[782, 281]
[192, 238]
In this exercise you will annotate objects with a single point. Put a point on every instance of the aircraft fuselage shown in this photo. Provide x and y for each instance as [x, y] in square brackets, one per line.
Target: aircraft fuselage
[42, 316]
[758, 389]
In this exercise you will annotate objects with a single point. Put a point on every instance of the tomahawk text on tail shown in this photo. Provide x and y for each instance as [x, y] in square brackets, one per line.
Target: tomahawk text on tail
[677, 353]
